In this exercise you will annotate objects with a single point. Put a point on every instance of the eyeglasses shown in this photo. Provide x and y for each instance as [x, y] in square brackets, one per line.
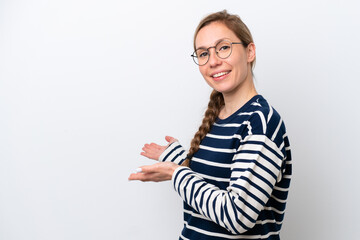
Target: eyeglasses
[223, 50]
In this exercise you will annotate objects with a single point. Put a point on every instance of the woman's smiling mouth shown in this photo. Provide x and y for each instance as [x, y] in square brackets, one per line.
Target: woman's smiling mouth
[220, 75]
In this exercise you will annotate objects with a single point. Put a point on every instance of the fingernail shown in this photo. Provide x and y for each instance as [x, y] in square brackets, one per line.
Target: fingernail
[138, 170]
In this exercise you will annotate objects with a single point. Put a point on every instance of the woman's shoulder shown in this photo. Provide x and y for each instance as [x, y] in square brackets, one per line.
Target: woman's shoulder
[261, 117]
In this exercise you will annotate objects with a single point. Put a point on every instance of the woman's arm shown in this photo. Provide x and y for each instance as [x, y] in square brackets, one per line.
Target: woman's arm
[255, 170]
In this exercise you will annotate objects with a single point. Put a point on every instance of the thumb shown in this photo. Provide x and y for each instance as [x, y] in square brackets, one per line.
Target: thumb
[170, 139]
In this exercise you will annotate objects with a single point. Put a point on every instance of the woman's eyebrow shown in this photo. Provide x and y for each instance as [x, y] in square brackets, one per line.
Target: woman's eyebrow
[217, 41]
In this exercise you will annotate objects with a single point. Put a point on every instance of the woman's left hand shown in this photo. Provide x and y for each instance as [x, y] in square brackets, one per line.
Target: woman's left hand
[157, 172]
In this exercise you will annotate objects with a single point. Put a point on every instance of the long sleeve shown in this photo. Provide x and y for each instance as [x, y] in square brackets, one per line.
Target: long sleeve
[255, 169]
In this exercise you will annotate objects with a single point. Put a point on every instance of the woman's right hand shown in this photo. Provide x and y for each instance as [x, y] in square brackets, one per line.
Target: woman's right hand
[153, 150]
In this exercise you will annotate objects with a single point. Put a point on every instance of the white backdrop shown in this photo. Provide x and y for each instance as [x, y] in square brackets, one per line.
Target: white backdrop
[84, 84]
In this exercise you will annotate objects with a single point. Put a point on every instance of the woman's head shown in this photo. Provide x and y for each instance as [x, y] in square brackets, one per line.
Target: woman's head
[225, 53]
[232, 22]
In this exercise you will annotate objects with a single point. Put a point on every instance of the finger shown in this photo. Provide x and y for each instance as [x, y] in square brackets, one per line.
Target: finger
[156, 146]
[144, 177]
[145, 154]
[150, 152]
[170, 139]
[148, 168]
[154, 151]
[151, 147]
[135, 176]
[147, 149]
[146, 146]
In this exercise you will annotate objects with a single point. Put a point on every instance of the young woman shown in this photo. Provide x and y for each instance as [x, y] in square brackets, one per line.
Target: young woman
[234, 180]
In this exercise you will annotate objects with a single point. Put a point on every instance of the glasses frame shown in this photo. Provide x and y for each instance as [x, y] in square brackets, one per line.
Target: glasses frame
[207, 49]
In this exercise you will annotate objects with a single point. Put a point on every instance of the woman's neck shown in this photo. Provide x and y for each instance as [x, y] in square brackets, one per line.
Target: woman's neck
[235, 100]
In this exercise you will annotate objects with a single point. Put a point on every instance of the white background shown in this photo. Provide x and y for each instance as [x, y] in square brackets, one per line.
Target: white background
[84, 84]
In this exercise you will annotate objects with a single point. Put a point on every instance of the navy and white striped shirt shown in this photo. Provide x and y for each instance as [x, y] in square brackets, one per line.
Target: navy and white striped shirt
[237, 184]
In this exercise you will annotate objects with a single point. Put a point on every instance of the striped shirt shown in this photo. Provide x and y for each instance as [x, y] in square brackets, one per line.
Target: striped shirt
[237, 183]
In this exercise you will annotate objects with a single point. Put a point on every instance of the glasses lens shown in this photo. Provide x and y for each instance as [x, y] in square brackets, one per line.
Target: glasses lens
[223, 49]
[201, 56]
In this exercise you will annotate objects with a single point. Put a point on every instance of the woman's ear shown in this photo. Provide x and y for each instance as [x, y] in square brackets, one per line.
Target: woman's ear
[251, 52]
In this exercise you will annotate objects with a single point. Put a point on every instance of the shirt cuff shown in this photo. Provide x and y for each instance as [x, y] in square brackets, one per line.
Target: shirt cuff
[173, 153]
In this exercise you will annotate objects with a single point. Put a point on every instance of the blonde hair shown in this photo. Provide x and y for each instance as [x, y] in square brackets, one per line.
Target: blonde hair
[234, 23]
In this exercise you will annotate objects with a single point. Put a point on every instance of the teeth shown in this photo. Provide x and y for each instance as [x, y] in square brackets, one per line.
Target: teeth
[220, 74]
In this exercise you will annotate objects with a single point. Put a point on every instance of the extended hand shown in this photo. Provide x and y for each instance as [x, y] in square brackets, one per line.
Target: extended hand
[153, 150]
[157, 172]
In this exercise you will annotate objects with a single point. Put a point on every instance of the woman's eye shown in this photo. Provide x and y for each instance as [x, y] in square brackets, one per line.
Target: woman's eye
[224, 47]
[203, 55]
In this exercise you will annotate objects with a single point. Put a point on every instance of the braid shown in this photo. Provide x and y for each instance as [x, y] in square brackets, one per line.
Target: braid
[212, 112]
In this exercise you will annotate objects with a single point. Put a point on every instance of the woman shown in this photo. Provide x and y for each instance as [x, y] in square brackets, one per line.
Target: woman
[235, 178]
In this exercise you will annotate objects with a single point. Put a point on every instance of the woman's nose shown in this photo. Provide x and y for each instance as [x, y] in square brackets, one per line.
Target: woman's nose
[214, 60]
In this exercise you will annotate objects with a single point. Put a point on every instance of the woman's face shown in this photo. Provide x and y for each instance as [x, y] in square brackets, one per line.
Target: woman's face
[225, 75]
